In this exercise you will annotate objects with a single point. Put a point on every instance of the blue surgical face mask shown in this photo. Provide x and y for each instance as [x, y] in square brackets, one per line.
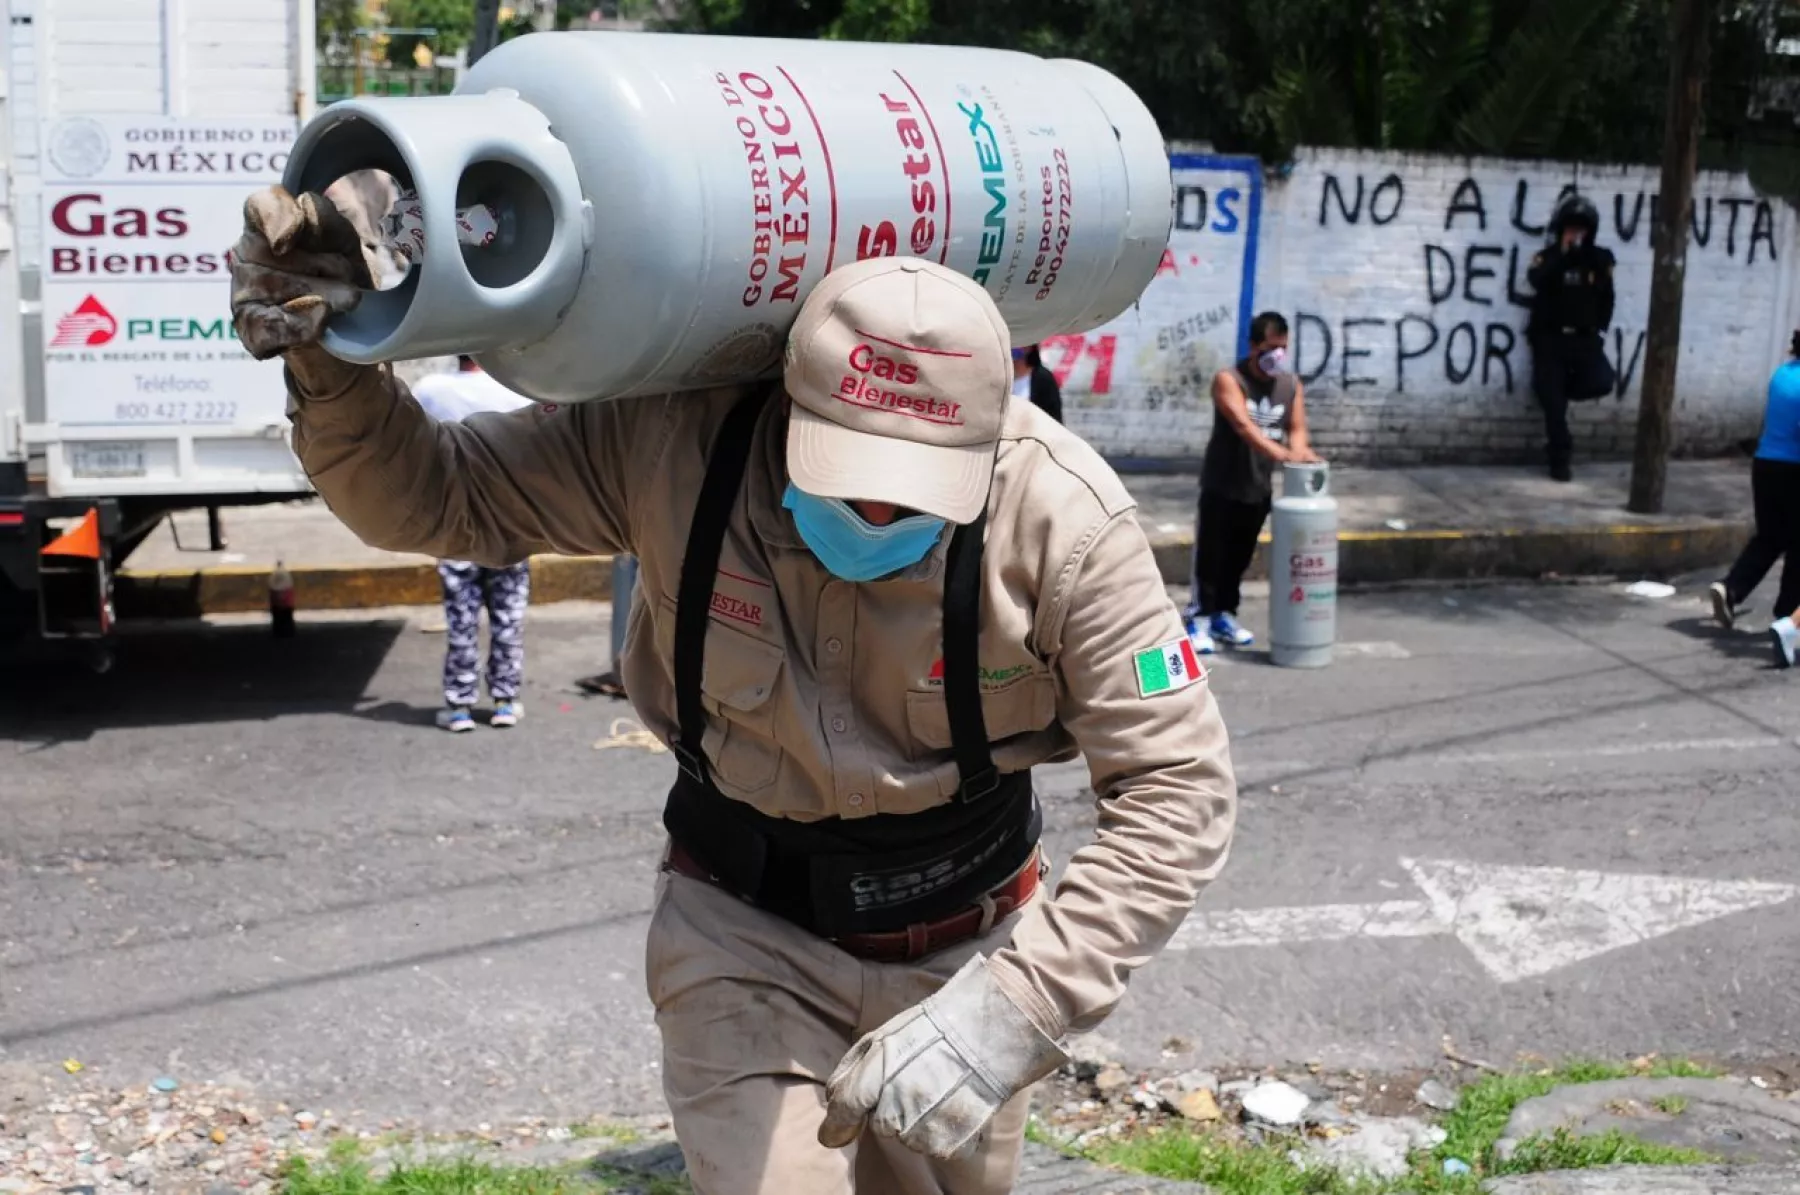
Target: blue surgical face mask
[851, 547]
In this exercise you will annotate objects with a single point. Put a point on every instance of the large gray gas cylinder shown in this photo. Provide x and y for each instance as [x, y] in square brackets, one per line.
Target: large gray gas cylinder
[663, 203]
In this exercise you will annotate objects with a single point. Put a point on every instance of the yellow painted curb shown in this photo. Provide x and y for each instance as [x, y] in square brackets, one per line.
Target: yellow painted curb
[1455, 554]
[187, 593]
[1365, 557]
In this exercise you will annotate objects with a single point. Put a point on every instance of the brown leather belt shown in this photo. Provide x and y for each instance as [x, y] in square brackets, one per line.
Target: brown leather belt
[925, 938]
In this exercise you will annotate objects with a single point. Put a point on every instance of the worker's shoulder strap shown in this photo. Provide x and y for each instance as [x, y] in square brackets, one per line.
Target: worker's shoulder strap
[962, 661]
[693, 603]
[700, 568]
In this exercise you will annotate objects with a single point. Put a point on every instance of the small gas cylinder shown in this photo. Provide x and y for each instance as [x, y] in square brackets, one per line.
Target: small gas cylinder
[661, 204]
[1303, 567]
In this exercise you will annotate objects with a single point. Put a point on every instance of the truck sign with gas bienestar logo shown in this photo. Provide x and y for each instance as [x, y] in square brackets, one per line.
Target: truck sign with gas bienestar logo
[137, 214]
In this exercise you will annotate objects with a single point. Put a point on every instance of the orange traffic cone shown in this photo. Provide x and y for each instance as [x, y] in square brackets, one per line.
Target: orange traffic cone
[83, 539]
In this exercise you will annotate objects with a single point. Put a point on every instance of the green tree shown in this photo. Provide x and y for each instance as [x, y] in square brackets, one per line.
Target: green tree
[1476, 76]
[1566, 78]
[337, 20]
[454, 21]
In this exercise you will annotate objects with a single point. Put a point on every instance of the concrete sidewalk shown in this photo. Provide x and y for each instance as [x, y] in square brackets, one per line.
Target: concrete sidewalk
[1397, 525]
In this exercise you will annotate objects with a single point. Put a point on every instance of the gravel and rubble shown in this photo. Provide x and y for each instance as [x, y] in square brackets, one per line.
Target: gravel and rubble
[1353, 1120]
[1090, 1099]
[76, 1131]
[79, 1134]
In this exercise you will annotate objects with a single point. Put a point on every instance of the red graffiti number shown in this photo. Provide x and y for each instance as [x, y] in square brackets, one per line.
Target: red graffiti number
[1069, 352]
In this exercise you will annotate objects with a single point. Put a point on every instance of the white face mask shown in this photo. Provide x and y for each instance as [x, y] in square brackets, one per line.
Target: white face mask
[1273, 362]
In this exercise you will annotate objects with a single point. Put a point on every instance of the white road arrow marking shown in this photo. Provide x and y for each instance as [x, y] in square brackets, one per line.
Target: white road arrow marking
[1518, 922]
[1525, 921]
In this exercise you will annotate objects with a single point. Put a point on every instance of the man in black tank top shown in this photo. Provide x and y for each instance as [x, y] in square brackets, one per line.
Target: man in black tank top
[1259, 421]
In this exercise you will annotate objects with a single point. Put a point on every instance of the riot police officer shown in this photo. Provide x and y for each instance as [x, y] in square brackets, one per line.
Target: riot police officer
[1572, 308]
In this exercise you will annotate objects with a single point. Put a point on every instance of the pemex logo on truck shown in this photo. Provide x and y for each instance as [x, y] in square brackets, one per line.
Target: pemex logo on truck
[88, 326]
[91, 324]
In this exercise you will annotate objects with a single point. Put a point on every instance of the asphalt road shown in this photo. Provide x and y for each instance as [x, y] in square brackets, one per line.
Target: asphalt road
[237, 858]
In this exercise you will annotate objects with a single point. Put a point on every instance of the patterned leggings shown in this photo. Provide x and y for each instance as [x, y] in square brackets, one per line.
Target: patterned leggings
[505, 592]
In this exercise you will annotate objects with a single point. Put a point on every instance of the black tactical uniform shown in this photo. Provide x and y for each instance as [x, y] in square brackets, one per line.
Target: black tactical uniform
[1572, 308]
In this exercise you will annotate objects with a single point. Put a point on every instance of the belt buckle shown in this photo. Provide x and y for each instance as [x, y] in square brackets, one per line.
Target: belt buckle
[990, 913]
[979, 785]
[688, 761]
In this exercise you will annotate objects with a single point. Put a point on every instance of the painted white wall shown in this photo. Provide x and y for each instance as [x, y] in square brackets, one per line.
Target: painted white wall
[1403, 277]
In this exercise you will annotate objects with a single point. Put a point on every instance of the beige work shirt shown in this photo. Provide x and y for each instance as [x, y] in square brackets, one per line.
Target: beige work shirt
[824, 698]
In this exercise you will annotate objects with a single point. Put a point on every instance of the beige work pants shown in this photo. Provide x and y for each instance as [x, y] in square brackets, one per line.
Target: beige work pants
[755, 1014]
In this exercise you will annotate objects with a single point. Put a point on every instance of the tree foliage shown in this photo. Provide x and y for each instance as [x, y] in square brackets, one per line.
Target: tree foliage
[454, 21]
[337, 20]
[1566, 78]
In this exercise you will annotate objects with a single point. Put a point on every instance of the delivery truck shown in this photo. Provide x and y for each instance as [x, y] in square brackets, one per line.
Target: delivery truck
[130, 133]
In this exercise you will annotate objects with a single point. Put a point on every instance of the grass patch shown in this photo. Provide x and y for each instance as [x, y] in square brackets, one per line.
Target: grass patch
[1673, 1105]
[463, 1176]
[616, 1134]
[1483, 1107]
[458, 1177]
[1473, 1127]
[1563, 1150]
[1230, 1167]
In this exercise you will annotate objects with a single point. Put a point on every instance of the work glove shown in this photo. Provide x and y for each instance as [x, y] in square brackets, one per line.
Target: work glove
[934, 1076]
[298, 263]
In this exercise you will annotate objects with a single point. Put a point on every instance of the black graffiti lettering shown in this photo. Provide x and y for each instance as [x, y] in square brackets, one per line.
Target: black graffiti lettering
[1302, 321]
[1349, 354]
[1514, 295]
[1733, 206]
[1443, 293]
[1390, 190]
[1627, 230]
[1458, 374]
[1466, 201]
[1436, 350]
[1703, 235]
[1190, 208]
[1471, 272]
[1762, 228]
[1351, 212]
[1625, 368]
[1402, 354]
[1441, 273]
[1522, 194]
[1392, 186]
[1502, 351]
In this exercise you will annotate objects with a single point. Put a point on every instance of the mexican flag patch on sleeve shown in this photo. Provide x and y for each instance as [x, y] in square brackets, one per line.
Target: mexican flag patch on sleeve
[1167, 668]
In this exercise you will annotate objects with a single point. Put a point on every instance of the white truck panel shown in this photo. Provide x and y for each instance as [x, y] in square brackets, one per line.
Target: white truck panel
[12, 349]
[122, 198]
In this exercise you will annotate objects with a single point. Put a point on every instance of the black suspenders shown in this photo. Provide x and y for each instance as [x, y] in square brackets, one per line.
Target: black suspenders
[699, 571]
[962, 667]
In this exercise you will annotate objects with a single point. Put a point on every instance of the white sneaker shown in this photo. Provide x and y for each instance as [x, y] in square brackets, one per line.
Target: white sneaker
[1722, 610]
[507, 713]
[1225, 629]
[1787, 641]
[455, 719]
[1202, 642]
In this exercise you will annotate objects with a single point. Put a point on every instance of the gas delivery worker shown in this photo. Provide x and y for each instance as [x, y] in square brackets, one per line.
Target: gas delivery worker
[875, 596]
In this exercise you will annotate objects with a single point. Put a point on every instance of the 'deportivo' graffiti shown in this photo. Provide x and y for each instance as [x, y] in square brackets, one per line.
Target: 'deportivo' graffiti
[1467, 324]
[1404, 280]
